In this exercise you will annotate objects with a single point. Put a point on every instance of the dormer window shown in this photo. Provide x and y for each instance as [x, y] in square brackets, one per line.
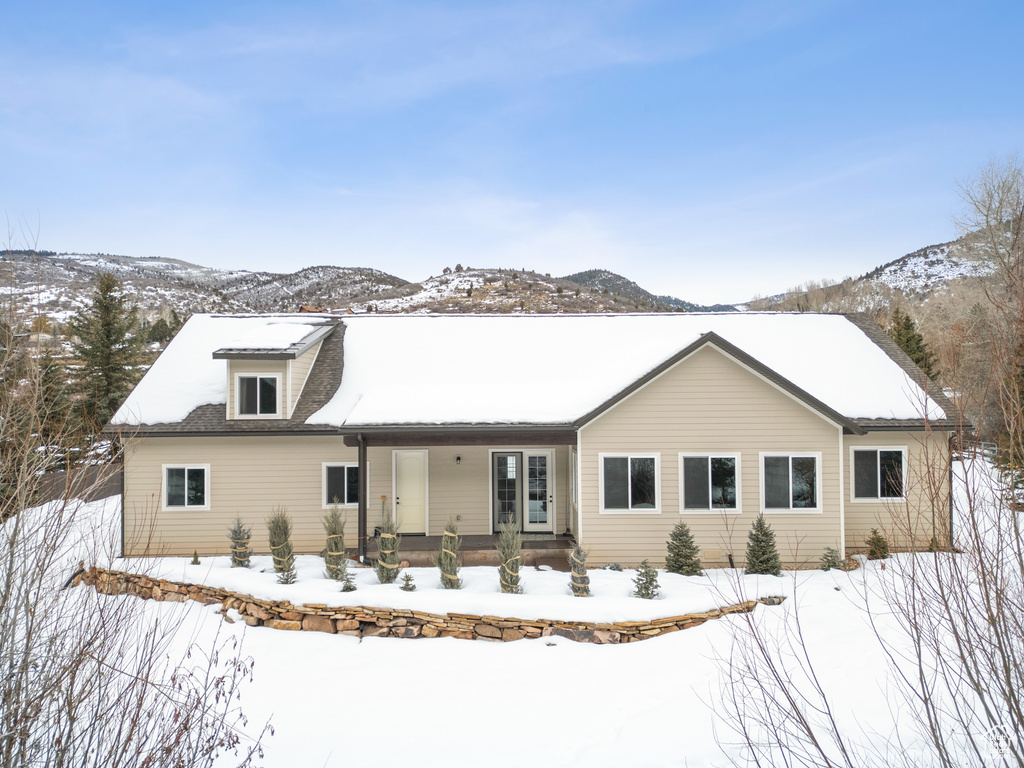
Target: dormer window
[258, 396]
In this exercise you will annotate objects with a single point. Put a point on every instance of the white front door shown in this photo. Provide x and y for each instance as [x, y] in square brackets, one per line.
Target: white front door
[539, 491]
[409, 476]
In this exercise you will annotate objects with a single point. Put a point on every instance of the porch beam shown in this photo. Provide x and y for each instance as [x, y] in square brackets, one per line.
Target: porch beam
[452, 437]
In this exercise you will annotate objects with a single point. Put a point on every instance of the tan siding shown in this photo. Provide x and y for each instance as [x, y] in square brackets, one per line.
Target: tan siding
[249, 477]
[298, 370]
[709, 402]
[908, 523]
[252, 366]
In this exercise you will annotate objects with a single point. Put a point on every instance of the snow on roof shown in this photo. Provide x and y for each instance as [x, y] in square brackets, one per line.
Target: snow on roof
[554, 369]
[186, 376]
[277, 335]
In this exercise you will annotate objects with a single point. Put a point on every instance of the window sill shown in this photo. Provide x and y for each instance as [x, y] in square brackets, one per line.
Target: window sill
[630, 511]
[807, 511]
[710, 511]
[190, 508]
[880, 500]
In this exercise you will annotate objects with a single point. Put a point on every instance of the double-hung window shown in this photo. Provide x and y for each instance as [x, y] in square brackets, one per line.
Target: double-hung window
[710, 482]
[186, 486]
[341, 484]
[878, 473]
[258, 395]
[630, 483]
[790, 482]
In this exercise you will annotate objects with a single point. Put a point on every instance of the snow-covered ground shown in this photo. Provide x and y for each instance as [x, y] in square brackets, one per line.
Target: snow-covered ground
[336, 700]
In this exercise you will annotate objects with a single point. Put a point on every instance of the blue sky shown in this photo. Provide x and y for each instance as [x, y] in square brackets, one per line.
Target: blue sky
[711, 151]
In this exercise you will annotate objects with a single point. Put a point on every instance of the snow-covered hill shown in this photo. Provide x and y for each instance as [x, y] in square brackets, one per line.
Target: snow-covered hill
[921, 272]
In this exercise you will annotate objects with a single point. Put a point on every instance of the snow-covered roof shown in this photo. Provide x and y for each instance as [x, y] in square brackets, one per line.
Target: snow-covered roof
[551, 369]
[527, 369]
[187, 376]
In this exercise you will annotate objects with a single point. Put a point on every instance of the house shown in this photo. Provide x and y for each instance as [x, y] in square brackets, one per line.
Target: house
[605, 428]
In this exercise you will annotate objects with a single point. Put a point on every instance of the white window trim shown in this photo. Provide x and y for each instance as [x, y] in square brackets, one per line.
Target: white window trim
[323, 483]
[657, 482]
[816, 455]
[877, 499]
[185, 508]
[684, 510]
[278, 391]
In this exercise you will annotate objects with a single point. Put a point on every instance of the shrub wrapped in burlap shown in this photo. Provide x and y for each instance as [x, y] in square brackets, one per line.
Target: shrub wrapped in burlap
[387, 539]
[510, 556]
[334, 555]
[447, 557]
[279, 532]
[578, 580]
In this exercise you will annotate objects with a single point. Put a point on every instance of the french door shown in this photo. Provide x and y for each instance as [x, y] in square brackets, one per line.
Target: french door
[522, 485]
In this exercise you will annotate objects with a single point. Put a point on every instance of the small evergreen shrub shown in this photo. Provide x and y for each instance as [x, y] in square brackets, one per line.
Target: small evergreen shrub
[334, 555]
[407, 585]
[195, 557]
[348, 585]
[388, 540]
[447, 557]
[762, 553]
[613, 567]
[510, 546]
[646, 582]
[683, 552]
[878, 547]
[279, 532]
[933, 545]
[240, 551]
[831, 559]
[579, 580]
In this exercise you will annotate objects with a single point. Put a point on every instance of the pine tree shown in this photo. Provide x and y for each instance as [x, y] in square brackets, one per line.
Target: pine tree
[578, 580]
[407, 585]
[110, 349]
[195, 557]
[334, 554]
[878, 547]
[447, 557]
[683, 552]
[348, 585]
[762, 553]
[646, 582]
[831, 559]
[239, 535]
[388, 539]
[510, 547]
[279, 531]
[903, 330]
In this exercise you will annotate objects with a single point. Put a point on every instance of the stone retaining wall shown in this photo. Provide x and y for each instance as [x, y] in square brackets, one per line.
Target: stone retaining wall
[363, 621]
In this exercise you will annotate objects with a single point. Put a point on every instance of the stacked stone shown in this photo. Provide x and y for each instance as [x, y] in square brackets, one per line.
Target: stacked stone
[364, 621]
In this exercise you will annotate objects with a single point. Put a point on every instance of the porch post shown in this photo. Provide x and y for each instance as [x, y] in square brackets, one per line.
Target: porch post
[363, 490]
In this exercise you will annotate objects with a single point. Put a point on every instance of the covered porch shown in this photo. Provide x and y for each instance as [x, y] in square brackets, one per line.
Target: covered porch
[478, 477]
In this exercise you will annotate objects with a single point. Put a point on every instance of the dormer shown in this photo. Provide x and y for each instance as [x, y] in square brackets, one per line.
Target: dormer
[267, 370]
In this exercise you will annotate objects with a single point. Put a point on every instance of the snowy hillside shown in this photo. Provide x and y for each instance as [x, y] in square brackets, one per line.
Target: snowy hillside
[921, 272]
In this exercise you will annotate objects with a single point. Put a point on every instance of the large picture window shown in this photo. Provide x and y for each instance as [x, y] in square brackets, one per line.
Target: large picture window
[187, 487]
[341, 484]
[878, 473]
[258, 395]
[630, 483]
[790, 482]
[709, 482]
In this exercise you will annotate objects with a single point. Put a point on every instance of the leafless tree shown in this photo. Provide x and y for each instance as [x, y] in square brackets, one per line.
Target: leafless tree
[88, 679]
[950, 624]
